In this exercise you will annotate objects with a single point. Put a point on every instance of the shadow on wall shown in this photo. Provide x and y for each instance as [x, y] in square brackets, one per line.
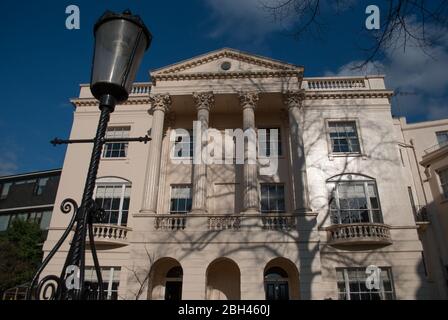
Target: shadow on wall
[381, 159]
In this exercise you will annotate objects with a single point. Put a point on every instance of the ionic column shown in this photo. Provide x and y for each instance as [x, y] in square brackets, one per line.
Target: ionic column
[293, 101]
[160, 104]
[203, 101]
[248, 102]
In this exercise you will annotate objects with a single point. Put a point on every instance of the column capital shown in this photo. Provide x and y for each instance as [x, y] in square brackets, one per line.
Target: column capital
[204, 100]
[161, 101]
[293, 99]
[248, 99]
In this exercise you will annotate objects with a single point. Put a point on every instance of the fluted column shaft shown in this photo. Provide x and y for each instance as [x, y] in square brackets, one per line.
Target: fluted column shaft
[248, 102]
[203, 101]
[160, 105]
[293, 101]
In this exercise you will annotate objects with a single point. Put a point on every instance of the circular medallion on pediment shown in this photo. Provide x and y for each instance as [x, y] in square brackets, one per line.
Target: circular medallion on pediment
[226, 65]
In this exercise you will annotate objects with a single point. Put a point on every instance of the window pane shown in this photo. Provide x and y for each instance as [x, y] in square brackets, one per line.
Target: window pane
[5, 190]
[357, 203]
[4, 222]
[344, 137]
[111, 198]
[181, 199]
[272, 198]
[356, 282]
[183, 145]
[116, 149]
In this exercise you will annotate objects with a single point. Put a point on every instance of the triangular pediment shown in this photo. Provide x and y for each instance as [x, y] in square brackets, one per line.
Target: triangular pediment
[226, 61]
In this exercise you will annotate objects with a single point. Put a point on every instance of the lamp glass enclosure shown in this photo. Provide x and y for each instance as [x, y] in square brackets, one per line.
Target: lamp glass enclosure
[119, 47]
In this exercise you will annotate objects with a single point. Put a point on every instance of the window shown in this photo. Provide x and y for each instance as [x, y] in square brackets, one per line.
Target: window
[276, 284]
[173, 284]
[181, 200]
[355, 202]
[4, 222]
[111, 282]
[114, 199]
[344, 137]
[272, 198]
[40, 186]
[183, 145]
[42, 218]
[269, 142]
[352, 285]
[116, 149]
[442, 138]
[444, 182]
[5, 190]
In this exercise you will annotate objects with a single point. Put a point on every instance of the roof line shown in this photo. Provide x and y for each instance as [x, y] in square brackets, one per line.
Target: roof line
[225, 49]
[30, 174]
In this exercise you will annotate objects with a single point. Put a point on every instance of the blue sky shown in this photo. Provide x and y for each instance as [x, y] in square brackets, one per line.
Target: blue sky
[42, 62]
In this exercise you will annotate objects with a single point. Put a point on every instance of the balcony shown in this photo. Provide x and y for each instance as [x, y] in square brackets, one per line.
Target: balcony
[359, 234]
[421, 217]
[225, 222]
[110, 234]
[170, 222]
[436, 147]
[279, 222]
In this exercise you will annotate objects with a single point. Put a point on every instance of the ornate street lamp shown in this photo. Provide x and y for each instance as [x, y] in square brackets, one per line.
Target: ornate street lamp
[120, 42]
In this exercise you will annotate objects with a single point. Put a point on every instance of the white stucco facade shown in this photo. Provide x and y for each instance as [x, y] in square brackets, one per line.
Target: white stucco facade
[226, 246]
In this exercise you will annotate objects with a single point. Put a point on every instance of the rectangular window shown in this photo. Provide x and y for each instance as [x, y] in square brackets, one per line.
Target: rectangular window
[272, 198]
[181, 199]
[344, 137]
[352, 285]
[183, 145]
[40, 186]
[442, 138]
[114, 199]
[4, 222]
[444, 182]
[116, 149]
[111, 282]
[45, 220]
[269, 142]
[355, 202]
[5, 190]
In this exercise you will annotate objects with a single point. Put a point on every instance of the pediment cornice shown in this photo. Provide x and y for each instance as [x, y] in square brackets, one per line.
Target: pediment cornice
[226, 75]
[255, 60]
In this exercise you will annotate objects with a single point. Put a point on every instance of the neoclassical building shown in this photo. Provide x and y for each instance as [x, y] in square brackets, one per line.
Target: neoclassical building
[336, 202]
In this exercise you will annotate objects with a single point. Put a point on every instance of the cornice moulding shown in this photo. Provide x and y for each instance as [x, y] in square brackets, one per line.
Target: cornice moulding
[90, 102]
[226, 53]
[353, 94]
[226, 75]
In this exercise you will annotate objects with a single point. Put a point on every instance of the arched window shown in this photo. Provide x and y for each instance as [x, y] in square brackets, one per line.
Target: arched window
[276, 284]
[173, 284]
[354, 199]
[113, 195]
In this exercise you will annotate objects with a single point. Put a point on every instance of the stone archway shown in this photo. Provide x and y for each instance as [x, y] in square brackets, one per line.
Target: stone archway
[165, 281]
[281, 280]
[223, 280]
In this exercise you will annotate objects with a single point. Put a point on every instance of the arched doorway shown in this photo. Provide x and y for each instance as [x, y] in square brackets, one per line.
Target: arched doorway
[165, 281]
[223, 280]
[281, 280]
[173, 284]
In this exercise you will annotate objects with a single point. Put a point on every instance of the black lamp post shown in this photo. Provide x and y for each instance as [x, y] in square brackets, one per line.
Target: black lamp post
[120, 42]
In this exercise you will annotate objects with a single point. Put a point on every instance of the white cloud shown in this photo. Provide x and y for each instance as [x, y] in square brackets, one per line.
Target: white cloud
[413, 70]
[8, 163]
[244, 20]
